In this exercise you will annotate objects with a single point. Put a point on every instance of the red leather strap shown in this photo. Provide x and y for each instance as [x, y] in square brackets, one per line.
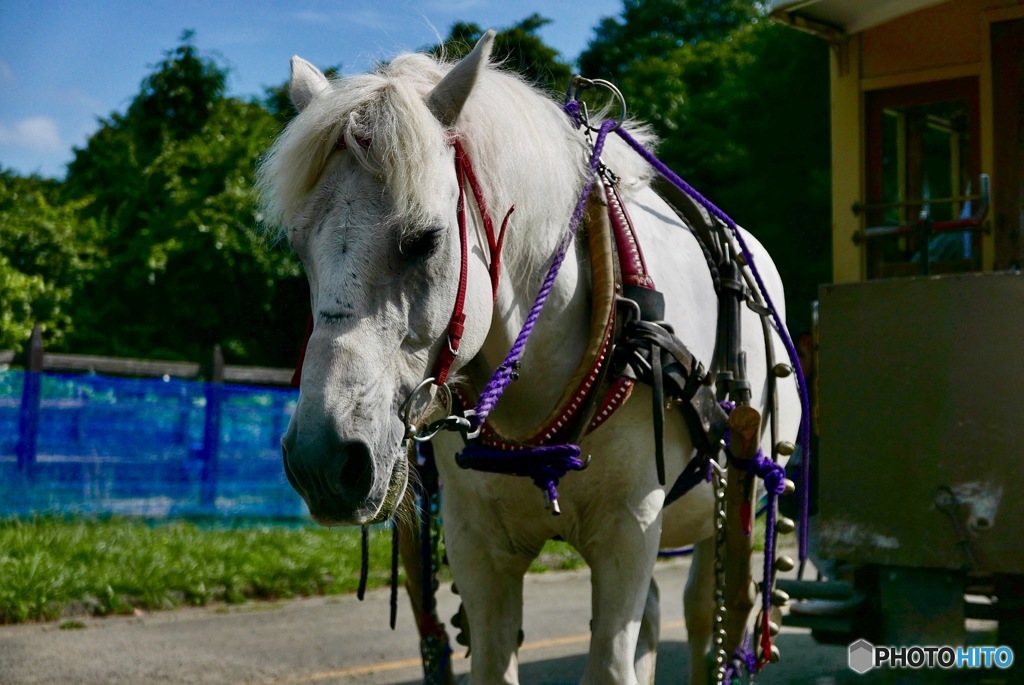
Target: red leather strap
[631, 258]
[456, 325]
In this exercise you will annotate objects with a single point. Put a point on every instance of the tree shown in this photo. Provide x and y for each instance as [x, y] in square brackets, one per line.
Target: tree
[169, 184]
[654, 28]
[741, 107]
[47, 254]
[517, 48]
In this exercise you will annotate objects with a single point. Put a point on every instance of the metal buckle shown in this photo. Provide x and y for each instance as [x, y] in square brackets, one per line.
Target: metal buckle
[579, 83]
[463, 424]
[406, 410]
[631, 306]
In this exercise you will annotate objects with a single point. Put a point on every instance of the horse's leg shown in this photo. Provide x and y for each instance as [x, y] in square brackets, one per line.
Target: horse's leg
[488, 569]
[699, 608]
[429, 625]
[650, 633]
[620, 549]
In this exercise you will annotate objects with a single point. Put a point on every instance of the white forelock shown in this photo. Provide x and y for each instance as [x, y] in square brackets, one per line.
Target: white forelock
[524, 150]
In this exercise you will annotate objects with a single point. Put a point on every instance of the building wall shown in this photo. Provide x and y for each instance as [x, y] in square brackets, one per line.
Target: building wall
[945, 35]
[945, 41]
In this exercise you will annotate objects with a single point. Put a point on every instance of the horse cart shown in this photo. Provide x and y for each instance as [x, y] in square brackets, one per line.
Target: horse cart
[918, 341]
[917, 527]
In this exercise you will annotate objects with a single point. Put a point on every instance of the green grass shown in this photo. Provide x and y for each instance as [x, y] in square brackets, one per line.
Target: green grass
[53, 567]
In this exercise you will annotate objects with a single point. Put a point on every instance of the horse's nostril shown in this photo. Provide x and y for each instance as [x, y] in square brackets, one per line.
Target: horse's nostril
[356, 474]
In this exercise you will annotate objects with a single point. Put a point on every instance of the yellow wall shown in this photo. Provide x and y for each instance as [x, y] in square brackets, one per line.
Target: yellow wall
[940, 36]
[847, 160]
[945, 41]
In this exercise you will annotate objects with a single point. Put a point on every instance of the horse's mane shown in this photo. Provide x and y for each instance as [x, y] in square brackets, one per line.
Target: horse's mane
[524, 150]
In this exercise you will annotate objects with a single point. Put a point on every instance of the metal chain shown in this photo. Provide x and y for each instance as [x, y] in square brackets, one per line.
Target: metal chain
[718, 620]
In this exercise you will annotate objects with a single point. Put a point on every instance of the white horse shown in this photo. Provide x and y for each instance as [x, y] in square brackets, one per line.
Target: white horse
[363, 184]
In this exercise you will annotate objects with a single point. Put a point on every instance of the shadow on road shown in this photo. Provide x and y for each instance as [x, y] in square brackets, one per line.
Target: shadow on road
[808, 664]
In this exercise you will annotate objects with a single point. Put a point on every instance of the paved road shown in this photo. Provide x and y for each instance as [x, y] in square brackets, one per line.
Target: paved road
[342, 641]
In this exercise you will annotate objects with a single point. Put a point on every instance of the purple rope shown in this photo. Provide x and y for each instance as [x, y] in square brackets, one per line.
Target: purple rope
[787, 341]
[544, 465]
[743, 656]
[769, 557]
[773, 475]
[503, 374]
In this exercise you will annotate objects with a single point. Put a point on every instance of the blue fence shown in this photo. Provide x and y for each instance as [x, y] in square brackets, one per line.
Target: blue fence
[142, 447]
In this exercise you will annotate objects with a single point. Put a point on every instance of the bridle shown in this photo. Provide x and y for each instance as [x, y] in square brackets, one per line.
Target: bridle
[465, 175]
[495, 240]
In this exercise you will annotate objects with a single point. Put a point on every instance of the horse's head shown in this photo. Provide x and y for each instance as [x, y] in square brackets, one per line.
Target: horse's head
[364, 184]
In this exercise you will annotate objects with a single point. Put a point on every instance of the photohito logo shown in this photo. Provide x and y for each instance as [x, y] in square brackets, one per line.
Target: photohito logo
[863, 656]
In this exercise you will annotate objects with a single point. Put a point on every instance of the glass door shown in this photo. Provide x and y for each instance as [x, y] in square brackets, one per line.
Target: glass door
[925, 197]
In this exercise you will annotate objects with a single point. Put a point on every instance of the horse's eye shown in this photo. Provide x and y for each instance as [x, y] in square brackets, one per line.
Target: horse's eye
[421, 244]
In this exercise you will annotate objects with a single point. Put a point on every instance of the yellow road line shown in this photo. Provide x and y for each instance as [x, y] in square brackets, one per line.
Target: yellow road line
[411, 663]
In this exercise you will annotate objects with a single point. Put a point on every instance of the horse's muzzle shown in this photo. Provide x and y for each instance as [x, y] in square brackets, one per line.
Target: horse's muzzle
[336, 481]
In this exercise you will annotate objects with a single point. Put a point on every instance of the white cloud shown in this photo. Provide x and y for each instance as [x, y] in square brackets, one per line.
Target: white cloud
[34, 133]
[314, 17]
[367, 17]
[453, 6]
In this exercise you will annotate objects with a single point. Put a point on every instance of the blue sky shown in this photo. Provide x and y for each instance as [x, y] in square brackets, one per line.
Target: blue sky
[66, 63]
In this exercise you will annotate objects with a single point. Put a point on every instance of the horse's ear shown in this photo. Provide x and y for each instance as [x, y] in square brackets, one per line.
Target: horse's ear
[448, 96]
[307, 82]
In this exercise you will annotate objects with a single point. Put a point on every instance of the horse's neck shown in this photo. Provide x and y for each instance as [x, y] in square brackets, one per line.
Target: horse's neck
[553, 352]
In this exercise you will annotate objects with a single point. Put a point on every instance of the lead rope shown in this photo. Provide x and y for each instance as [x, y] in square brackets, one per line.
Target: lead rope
[544, 465]
[787, 341]
[364, 563]
[364, 568]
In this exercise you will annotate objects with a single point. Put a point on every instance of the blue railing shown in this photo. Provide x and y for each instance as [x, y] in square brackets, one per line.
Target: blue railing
[142, 447]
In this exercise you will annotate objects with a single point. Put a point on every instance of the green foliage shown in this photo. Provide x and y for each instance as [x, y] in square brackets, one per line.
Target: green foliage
[179, 97]
[169, 182]
[651, 29]
[741, 106]
[47, 253]
[517, 48]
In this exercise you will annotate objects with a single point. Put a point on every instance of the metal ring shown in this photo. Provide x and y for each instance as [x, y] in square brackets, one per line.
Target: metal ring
[406, 408]
[470, 414]
[462, 424]
[578, 83]
[430, 431]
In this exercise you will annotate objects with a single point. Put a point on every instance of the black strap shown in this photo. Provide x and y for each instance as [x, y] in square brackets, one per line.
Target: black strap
[651, 353]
